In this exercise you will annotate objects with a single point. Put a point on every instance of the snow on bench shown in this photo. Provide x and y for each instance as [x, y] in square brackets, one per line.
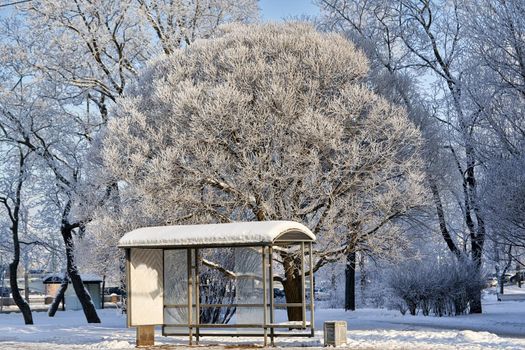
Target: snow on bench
[511, 297]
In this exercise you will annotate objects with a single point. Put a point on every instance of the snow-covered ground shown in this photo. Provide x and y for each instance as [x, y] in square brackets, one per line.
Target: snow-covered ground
[502, 326]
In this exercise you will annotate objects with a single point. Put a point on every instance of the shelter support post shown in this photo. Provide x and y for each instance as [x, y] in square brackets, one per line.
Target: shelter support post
[197, 297]
[190, 294]
[311, 261]
[265, 296]
[272, 313]
[303, 284]
[128, 287]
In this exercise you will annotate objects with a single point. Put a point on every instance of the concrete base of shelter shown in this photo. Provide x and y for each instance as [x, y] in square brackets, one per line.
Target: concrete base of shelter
[145, 336]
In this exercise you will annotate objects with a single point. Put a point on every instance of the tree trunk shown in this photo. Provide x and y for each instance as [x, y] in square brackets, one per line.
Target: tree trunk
[17, 297]
[518, 274]
[362, 279]
[59, 297]
[475, 303]
[478, 236]
[13, 266]
[475, 298]
[292, 288]
[82, 294]
[501, 274]
[441, 218]
[350, 282]
[2, 276]
[103, 288]
[26, 285]
[293, 292]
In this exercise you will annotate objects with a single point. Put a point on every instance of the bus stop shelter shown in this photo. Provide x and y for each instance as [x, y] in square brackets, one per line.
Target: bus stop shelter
[216, 280]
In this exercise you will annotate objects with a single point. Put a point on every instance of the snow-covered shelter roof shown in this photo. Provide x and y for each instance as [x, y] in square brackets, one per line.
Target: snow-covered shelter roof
[238, 233]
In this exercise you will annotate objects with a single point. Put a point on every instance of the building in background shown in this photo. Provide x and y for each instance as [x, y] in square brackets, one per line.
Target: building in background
[93, 284]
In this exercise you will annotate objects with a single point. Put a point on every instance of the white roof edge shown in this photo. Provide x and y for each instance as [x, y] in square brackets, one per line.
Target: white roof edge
[237, 233]
[86, 277]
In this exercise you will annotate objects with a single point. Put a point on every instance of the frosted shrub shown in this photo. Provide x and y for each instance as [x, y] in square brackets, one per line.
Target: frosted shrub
[465, 281]
[404, 283]
[377, 294]
[396, 303]
[437, 288]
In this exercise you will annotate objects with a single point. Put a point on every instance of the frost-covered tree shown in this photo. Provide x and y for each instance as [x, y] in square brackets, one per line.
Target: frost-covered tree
[179, 23]
[498, 45]
[34, 127]
[504, 196]
[13, 179]
[444, 48]
[48, 125]
[21, 201]
[266, 122]
[369, 25]
[498, 29]
[96, 47]
[17, 181]
[83, 53]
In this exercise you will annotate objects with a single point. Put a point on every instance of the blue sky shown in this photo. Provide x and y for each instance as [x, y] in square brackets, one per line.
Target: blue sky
[274, 10]
[271, 10]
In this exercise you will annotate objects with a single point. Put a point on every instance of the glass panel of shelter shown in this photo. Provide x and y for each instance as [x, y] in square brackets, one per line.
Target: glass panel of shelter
[279, 319]
[176, 288]
[230, 289]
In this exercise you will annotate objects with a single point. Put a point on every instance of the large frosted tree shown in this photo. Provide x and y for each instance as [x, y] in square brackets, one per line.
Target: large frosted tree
[266, 122]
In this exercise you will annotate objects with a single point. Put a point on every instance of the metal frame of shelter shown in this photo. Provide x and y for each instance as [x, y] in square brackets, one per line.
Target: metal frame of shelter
[292, 235]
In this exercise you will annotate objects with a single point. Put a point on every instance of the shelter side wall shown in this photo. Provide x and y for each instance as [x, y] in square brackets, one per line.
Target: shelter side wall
[146, 290]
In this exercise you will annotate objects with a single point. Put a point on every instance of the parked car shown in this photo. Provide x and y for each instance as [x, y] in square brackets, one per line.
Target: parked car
[321, 294]
[5, 292]
[278, 293]
[506, 278]
[518, 276]
[492, 281]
